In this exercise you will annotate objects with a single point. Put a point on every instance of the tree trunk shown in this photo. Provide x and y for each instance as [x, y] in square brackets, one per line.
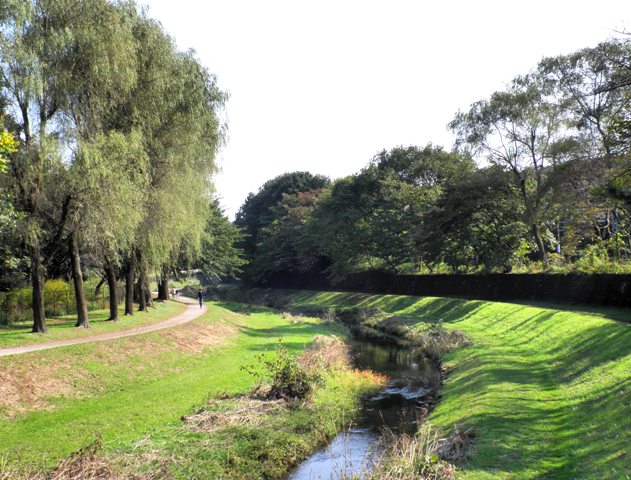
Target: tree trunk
[163, 286]
[144, 293]
[142, 298]
[97, 289]
[129, 285]
[539, 241]
[77, 279]
[142, 282]
[37, 283]
[110, 273]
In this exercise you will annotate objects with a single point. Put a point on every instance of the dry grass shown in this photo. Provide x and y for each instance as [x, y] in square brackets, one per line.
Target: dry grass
[195, 338]
[458, 445]
[421, 457]
[222, 413]
[437, 341]
[325, 353]
[291, 318]
[29, 385]
[29, 382]
[86, 464]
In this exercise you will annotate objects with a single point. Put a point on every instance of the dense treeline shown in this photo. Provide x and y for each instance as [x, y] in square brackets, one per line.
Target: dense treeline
[113, 136]
[539, 179]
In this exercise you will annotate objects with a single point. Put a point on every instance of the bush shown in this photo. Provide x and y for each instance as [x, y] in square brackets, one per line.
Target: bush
[287, 378]
[438, 341]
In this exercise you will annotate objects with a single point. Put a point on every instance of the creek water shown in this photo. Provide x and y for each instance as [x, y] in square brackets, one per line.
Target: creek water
[412, 382]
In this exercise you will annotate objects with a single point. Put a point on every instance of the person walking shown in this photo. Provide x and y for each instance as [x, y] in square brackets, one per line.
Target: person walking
[200, 295]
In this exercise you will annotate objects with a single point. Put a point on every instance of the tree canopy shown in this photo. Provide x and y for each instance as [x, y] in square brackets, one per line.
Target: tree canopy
[538, 179]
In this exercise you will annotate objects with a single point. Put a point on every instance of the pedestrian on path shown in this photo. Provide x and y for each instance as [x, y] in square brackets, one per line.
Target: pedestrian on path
[200, 295]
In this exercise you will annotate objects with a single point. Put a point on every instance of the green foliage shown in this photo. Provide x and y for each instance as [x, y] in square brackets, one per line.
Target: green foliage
[8, 145]
[475, 223]
[288, 242]
[287, 379]
[59, 298]
[257, 212]
[557, 180]
[374, 219]
[219, 257]
[141, 124]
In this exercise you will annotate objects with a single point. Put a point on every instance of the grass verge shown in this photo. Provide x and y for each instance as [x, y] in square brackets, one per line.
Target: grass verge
[63, 327]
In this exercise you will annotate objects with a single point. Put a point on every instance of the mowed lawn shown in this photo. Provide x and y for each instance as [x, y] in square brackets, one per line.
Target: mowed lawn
[122, 390]
[63, 327]
[547, 390]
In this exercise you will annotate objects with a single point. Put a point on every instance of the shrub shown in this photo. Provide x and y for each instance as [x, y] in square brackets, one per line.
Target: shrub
[329, 315]
[413, 458]
[287, 378]
[438, 341]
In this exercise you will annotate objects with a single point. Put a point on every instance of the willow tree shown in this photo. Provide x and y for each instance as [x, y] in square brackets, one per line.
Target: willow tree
[177, 109]
[106, 169]
[33, 85]
[112, 171]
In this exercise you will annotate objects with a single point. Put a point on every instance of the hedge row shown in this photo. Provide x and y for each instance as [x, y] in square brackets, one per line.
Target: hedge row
[597, 289]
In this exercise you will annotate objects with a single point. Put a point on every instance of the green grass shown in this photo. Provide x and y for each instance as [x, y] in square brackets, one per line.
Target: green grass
[145, 392]
[267, 450]
[547, 390]
[63, 327]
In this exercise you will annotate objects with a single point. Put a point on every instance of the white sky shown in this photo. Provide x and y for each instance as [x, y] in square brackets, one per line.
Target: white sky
[324, 85]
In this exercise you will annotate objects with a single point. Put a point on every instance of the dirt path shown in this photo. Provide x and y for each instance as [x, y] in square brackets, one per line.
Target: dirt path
[191, 313]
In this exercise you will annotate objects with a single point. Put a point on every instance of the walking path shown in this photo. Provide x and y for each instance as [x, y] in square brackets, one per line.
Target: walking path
[191, 313]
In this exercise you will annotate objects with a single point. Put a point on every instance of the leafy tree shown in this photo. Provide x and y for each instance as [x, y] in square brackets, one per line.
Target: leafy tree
[519, 129]
[219, 258]
[287, 243]
[426, 167]
[99, 77]
[255, 213]
[372, 219]
[594, 85]
[107, 183]
[475, 223]
[175, 106]
[32, 82]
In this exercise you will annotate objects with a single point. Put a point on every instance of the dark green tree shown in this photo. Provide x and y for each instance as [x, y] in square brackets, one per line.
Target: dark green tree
[520, 130]
[256, 212]
[475, 223]
[287, 243]
[219, 257]
[372, 219]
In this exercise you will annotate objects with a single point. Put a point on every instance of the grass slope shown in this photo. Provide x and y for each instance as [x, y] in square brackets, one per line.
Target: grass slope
[63, 327]
[139, 386]
[547, 390]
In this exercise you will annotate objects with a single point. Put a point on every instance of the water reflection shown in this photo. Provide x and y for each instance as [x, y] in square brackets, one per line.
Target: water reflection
[412, 379]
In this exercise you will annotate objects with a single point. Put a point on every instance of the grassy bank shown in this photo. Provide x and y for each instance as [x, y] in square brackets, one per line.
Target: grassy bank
[546, 390]
[132, 392]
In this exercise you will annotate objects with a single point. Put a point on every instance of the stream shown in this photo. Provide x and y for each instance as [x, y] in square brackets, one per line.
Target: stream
[412, 382]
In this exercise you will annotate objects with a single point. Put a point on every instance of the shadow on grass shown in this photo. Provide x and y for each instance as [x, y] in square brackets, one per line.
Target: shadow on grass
[576, 441]
[394, 303]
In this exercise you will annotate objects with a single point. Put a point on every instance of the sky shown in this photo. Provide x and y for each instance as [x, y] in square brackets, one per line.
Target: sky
[325, 85]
